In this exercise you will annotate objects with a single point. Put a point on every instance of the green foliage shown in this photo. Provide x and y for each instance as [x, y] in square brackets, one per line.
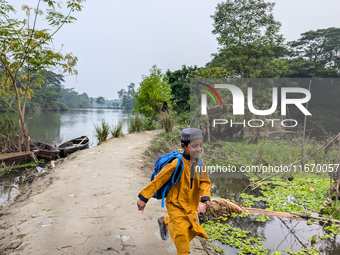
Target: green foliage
[291, 196]
[102, 131]
[334, 229]
[313, 239]
[211, 72]
[73, 99]
[261, 218]
[100, 100]
[235, 237]
[321, 46]
[179, 81]
[183, 118]
[127, 97]
[25, 50]
[136, 123]
[149, 123]
[117, 130]
[153, 91]
[245, 241]
[9, 129]
[167, 121]
[248, 38]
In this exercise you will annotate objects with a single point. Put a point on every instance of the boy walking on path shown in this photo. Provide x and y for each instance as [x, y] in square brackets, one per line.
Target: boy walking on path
[184, 196]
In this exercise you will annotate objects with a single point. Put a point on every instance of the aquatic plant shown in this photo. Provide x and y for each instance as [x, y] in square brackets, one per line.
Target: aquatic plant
[283, 195]
[102, 131]
[136, 123]
[261, 218]
[117, 130]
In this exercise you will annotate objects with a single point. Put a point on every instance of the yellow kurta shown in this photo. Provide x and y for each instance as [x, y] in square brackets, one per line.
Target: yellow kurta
[181, 203]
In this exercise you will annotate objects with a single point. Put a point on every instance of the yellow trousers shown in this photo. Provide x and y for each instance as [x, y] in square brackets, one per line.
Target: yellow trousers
[182, 228]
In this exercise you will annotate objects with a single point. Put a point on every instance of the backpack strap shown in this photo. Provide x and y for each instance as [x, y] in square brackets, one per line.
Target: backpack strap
[175, 177]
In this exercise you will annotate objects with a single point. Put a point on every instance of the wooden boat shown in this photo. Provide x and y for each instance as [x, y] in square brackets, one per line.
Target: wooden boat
[45, 151]
[73, 145]
[17, 158]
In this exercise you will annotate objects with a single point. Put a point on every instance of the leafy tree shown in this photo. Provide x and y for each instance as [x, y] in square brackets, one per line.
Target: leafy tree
[45, 95]
[153, 91]
[25, 50]
[248, 38]
[73, 100]
[179, 81]
[100, 100]
[127, 97]
[303, 68]
[321, 46]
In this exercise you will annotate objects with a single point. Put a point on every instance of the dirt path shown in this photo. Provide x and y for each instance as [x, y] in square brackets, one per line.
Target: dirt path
[90, 207]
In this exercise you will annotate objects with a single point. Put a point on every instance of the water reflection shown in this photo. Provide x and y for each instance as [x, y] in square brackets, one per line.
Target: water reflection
[59, 127]
[228, 188]
[281, 233]
[277, 233]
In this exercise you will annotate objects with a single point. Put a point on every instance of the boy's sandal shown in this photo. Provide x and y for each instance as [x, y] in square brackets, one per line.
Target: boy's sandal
[163, 231]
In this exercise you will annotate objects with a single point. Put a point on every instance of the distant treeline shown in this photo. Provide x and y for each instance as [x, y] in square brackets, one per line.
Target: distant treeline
[53, 96]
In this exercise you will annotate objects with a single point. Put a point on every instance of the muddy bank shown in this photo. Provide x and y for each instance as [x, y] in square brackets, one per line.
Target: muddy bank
[87, 205]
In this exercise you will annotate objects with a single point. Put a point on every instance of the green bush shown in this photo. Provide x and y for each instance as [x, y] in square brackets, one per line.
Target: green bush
[167, 121]
[102, 131]
[117, 130]
[136, 123]
[183, 118]
[9, 130]
[149, 123]
[62, 106]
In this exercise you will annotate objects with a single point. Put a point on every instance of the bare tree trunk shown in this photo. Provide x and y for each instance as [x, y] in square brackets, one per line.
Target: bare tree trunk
[24, 132]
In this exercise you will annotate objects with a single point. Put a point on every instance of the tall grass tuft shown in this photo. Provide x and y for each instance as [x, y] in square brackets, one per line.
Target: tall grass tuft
[102, 131]
[167, 121]
[136, 123]
[9, 130]
[117, 130]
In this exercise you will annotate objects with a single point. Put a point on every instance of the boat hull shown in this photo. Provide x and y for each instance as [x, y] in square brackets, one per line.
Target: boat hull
[45, 151]
[17, 158]
[73, 145]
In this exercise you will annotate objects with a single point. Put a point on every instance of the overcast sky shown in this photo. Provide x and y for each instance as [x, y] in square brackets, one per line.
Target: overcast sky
[117, 41]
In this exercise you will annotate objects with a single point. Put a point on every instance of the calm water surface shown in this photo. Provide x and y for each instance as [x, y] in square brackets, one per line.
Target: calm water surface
[59, 127]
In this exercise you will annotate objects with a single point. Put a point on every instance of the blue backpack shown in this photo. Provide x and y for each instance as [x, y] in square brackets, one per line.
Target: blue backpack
[161, 162]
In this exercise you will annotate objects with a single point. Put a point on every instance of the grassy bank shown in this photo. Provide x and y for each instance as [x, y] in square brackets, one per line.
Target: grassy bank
[301, 192]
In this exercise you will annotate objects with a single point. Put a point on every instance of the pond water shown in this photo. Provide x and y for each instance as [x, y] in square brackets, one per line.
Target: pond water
[277, 233]
[59, 127]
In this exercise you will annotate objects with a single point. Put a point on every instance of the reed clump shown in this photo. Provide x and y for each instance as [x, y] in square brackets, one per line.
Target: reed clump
[102, 131]
[167, 121]
[117, 130]
[136, 123]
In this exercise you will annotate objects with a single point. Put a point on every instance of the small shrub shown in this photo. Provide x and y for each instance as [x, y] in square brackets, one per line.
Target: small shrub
[167, 121]
[117, 130]
[149, 123]
[102, 131]
[9, 130]
[62, 106]
[183, 118]
[136, 123]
